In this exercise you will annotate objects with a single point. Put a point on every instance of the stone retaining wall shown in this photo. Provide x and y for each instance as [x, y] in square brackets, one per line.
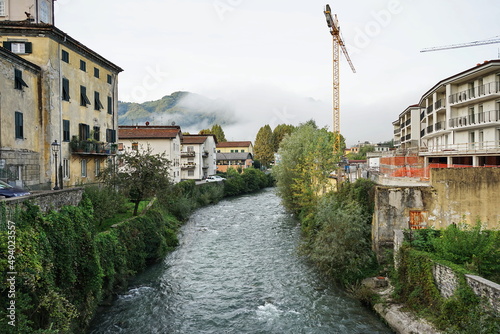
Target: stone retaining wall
[487, 289]
[49, 200]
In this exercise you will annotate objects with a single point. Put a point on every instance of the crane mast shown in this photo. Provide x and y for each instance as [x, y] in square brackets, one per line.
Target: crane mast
[338, 44]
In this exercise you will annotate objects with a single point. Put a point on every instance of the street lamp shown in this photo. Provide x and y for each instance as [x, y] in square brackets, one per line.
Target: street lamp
[55, 149]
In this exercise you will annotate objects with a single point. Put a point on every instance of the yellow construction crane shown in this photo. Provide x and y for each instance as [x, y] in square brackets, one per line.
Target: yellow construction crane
[493, 40]
[338, 43]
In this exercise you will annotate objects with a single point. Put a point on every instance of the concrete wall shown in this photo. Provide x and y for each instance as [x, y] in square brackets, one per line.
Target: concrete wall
[455, 195]
[465, 195]
[49, 200]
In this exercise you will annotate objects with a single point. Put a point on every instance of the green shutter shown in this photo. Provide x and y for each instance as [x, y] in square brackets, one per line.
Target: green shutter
[7, 45]
[28, 48]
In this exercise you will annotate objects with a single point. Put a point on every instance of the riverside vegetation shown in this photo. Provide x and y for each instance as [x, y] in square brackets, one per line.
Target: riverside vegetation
[336, 230]
[69, 262]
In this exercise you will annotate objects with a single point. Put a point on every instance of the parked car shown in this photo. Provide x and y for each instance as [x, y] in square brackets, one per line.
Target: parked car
[6, 190]
[215, 178]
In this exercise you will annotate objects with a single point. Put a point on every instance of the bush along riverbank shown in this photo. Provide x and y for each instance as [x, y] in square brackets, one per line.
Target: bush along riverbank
[57, 267]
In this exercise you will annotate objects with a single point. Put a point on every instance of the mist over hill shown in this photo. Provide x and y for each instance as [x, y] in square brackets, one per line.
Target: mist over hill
[189, 110]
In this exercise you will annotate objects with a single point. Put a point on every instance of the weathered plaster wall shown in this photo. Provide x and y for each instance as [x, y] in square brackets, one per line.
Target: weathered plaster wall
[465, 195]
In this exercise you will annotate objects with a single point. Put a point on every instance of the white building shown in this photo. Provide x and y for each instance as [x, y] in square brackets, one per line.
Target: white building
[460, 122]
[407, 128]
[161, 139]
[198, 156]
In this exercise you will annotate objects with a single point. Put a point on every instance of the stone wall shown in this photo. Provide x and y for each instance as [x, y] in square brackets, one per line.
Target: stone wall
[49, 200]
[485, 288]
[446, 280]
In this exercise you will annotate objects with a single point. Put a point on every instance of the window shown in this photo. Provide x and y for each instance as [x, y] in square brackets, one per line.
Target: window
[2, 7]
[65, 56]
[191, 172]
[18, 80]
[66, 168]
[110, 105]
[190, 148]
[135, 146]
[84, 100]
[96, 72]
[18, 47]
[97, 133]
[65, 89]
[110, 136]
[97, 167]
[242, 151]
[66, 134]
[110, 79]
[84, 167]
[83, 65]
[19, 125]
[83, 131]
[44, 12]
[97, 102]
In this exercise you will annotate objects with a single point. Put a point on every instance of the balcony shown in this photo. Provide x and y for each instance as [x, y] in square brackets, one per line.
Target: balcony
[477, 93]
[396, 131]
[188, 154]
[440, 104]
[204, 154]
[87, 147]
[189, 165]
[475, 120]
[485, 147]
[430, 129]
[430, 109]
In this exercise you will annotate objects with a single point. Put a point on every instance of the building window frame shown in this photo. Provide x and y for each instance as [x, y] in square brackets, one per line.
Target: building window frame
[96, 72]
[83, 131]
[97, 133]
[83, 167]
[66, 168]
[19, 125]
[2, 7]
[18, 80]
[66, 131]
[97, 167]
[110, 105]
[65, 56]
[65, 90]
[97, 102]
[109, 79]
[84, 100]
[83, 65]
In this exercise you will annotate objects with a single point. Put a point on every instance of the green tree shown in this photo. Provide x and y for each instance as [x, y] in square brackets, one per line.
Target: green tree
[279, 133]
[141, 174]
[264, 145]
[302, 176]
[215, 130]
[362, 152]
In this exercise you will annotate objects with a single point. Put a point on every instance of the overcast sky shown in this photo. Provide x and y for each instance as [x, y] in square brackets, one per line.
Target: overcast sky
[273, 59]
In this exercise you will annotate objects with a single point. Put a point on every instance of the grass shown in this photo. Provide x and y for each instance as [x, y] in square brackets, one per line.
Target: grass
[119, 217]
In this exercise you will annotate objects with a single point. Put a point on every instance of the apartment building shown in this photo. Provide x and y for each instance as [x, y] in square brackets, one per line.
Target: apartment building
[161, 139]
[460, 118]
[198, 156]
[235, 147]
[77, 96]
[407, 129]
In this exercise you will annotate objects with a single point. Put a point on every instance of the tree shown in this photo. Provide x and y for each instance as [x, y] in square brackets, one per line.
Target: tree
[279, 133]
[140, 174]
[361, 155]
[264, 145]
[307, 160]
[215, 130]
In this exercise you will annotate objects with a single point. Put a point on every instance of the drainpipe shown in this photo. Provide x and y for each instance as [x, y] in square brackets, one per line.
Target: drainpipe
[59, 168]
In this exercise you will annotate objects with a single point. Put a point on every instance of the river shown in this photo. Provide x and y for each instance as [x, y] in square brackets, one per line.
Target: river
[236, 270]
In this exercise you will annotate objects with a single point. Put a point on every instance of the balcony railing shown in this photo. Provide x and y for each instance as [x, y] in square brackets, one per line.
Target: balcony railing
[430, 109]
[484, 90]
[87, 147]
[439, 104]
[396, 131]
[475, 119]
[463, 148]
[189, 165]
[430, 129]
[205, 154]
[188, 154]
[422, 132]
[408, 121]
[422, 115]
[440, 126]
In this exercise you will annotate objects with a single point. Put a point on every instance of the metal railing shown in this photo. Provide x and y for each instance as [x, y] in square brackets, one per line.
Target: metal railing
[464, 148]
[483, 90]
[474, 119]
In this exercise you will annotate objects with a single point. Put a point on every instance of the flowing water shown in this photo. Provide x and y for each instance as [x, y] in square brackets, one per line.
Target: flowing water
[236, 271]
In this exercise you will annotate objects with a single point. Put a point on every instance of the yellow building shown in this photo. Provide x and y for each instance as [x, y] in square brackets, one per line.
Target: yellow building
[77, 102]
[20, 120]
[235, 147]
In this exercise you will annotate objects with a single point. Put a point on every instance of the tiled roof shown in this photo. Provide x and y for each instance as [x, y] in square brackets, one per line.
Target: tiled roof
[193, 139]
[144, 132]
[234, 144]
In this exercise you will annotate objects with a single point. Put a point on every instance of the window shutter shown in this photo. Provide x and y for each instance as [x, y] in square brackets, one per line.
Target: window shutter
[28, 48]
[7, 45]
